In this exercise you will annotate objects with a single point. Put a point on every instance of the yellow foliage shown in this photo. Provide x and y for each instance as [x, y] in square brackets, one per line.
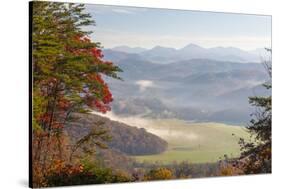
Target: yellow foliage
[159, 174]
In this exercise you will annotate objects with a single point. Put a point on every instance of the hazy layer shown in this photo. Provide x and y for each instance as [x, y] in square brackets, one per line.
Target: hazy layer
[164, 128]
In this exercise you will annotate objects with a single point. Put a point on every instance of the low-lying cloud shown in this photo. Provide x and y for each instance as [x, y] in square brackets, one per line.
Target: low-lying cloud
[167, 133]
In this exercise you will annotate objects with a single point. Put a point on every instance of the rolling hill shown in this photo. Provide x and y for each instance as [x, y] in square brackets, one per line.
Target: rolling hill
[196, 89]
[123, 138]
[187, 141]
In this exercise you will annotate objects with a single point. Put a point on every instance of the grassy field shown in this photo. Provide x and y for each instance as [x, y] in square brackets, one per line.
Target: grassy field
[194, 142]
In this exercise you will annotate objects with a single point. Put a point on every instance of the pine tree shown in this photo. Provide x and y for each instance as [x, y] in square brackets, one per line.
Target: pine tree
[68, 71]
[256, 156]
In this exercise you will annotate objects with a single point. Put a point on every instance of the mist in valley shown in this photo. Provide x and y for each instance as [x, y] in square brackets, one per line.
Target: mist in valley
[194, 90]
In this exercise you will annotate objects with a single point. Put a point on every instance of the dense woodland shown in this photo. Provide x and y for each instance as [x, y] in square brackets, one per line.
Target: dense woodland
[71, 147]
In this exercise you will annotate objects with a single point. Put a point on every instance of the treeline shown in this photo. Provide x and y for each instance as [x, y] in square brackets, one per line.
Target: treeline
[184, 169]
[96, 173]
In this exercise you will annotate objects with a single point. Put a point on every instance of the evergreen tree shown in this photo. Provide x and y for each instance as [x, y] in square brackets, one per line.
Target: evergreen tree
[256, 156]
[67, 77]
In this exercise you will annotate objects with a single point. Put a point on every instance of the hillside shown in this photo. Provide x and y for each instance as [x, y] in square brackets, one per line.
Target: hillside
[188, 141]
[196, 89]
[124, 138]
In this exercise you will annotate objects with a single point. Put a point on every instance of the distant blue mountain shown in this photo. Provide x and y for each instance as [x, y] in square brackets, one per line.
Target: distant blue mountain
[127, 49]
[198, 88]
[165, 55]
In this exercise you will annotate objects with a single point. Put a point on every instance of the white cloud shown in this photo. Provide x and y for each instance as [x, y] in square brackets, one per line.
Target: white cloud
[144, 84]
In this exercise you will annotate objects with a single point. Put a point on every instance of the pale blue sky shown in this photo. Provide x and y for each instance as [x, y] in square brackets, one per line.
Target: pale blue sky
[146, 27]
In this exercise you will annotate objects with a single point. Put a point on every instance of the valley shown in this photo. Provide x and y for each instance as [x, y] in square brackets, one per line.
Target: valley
[201, 90]
[197, 142]
[187, 141]
[126, 94]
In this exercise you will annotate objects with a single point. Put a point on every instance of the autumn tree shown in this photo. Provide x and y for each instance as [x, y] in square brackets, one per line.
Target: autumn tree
[67, 77]
[159, 174]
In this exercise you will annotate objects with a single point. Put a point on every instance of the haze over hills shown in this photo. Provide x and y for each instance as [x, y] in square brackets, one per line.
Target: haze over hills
[189, 88]
[159, 54]
[127, 49]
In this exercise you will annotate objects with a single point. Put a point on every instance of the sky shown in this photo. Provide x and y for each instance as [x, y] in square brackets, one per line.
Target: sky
[150, 27]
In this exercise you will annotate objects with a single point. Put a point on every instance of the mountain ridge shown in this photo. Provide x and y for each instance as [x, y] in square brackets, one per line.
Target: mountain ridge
[164, 55]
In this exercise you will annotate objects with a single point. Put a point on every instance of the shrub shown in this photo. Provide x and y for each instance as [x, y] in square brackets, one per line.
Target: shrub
[159, 174]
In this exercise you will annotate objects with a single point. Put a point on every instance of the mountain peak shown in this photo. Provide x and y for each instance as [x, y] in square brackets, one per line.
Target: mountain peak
[193, 51]
[192, 45]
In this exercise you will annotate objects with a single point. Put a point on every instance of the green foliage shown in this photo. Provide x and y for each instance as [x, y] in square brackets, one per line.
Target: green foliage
[67, 65]
[256, 156]
[67, 70]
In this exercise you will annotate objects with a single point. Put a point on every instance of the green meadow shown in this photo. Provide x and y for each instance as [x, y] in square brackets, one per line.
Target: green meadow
[195, 142]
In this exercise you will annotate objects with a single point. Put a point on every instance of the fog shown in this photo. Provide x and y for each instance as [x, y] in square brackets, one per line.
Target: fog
[162, 130]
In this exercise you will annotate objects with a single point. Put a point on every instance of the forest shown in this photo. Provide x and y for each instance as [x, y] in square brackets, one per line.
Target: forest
[73, 146]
